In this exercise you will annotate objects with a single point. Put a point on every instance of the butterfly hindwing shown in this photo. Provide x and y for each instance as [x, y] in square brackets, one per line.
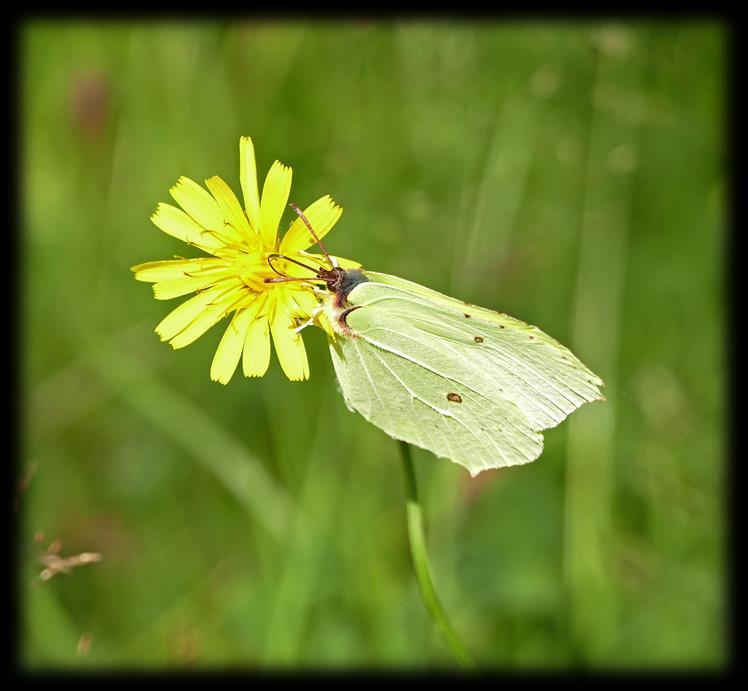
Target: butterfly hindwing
[413, 403]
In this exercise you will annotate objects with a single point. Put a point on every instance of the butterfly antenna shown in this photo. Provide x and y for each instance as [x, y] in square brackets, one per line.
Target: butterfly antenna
[314, 235]
[288, 279]
[288, 259]
[282, 278]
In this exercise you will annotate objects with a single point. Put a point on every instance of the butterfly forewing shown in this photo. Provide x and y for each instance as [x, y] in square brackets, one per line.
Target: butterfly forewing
[467, 383]
[526, 366]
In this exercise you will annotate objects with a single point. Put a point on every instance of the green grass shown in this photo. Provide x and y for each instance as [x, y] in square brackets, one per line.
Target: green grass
[572, 175]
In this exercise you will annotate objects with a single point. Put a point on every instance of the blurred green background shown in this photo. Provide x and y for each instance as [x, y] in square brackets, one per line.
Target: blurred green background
[572, 175]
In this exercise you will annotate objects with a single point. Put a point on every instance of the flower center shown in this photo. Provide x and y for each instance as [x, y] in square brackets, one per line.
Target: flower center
[252, 269]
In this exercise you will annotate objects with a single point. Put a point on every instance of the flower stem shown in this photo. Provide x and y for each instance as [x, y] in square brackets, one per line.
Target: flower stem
[421, 562]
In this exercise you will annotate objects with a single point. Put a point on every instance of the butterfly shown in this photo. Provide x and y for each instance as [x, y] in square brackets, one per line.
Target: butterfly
[467, 383]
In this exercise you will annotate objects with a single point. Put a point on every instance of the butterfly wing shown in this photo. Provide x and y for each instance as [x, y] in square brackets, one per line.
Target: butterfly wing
[534, 370]
[413, 403]
[467, 383]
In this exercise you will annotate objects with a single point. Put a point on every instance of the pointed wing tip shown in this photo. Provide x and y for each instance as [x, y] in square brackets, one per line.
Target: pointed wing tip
[599, 384]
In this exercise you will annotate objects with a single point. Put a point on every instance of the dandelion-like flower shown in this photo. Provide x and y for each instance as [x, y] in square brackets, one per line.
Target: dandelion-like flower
[242, 242]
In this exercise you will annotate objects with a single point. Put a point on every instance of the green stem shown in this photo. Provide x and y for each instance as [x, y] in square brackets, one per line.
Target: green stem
[421, 562]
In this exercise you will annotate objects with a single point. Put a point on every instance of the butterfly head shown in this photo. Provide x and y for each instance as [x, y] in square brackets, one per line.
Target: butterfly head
[341, 281]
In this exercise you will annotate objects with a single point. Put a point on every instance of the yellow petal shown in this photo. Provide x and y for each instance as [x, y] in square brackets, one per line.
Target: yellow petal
[198, 203]
[186, 313]
[248, 179]
[274, 199]
[211, 314]
[174, 288]
[238, 226]
[304, 302]
[322, 216]
[256, 356]
[289, 346]
[230, 348]
[170, 269]
[178, 224]
[324, 323]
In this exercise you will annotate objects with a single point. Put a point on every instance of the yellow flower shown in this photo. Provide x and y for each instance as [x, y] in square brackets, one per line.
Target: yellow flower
[232, 280]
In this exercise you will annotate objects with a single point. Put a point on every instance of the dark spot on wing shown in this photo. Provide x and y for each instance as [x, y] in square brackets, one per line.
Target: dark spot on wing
[478, 339]
[467, 316]
[532, 338]
[501, 326]
[454, 397]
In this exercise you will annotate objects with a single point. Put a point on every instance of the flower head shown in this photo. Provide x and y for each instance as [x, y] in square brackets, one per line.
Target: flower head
[232, 280]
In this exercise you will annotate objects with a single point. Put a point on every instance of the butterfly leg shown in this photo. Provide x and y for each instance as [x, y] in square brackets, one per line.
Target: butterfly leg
[309, 321]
